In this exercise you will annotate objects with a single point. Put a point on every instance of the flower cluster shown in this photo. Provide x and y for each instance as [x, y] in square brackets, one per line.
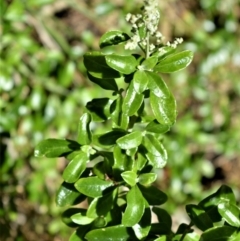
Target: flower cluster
[144, 27]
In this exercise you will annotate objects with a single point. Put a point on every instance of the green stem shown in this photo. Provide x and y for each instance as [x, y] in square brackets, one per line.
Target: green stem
[147, 46]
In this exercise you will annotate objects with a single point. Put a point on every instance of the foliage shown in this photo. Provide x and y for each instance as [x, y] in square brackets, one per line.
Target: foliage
[43, 88]
[114, 170]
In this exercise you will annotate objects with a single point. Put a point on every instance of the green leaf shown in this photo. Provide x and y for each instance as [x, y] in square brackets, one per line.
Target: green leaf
[153, 195]
[116, 110]
[164, 220]
[140, 81]
[155, 127]
[99, 170]
[142, 228]
[55, 148]
[130, 177]
[199, 217]
[154, 151]
[84, 133]
[147, 178]
[122, 162]
[110, 138]
[92, 186]
[96, 65]
[78, 235]
[107, 84]
[219, 234]
[81, 219]
[102, 205]
[113, 38]
[135, 207]
[116, 233]
[175, 62]
[162, 101]
[68, 195]
[163, 52]
[75, 167]
[66, 216]
[132, 101]
[149, 64]
[99, 108]
[123, 64]
[131, 140]
[210, 203]
[230, 213]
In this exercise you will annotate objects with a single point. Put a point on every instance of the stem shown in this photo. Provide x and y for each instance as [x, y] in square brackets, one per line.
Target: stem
[186, 231]
[147, 46]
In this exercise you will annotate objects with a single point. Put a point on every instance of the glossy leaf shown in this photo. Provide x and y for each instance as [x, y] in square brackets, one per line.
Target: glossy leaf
[112, 38]
[92, 186]
[99, 108]
[163, 52]
[175, 62]
[107, 84]
[75, 167]
[210, 203]
[123, 64]
[99, 170]
[149, 64]
[116, 110]
[230, 213]
[142, 228]
[135, 207]
[84, 133]
[155, 151]
[102, 205]
[81, 219]
[147, 178]
[131, 140]
[129, 177]
[162, 101]
[132, 101]
[140, 81]
[68, 195]
[153, 195]
[116, 233]
[199, 217]
[164, 220]
[225, 233]
[96, 65]
[156, 127]
[55, 148]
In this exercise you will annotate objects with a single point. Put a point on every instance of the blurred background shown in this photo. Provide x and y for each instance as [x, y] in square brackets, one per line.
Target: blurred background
[44, 88]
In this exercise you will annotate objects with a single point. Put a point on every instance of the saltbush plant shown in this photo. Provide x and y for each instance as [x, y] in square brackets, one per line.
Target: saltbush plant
[112, 173]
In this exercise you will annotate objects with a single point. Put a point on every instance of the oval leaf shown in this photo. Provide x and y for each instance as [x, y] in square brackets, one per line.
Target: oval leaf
[123, 64]
[75, 167]
[113, 38]
[55, 148]
[147, 178]
[84, 133]
[135, 207]
[153, 195]
[96, 65]
[68, 195]
[81, 219]
[155, 151]
[92, 186]
[132, 101]
[107, 84]
[131, 140]
[149, 64]
[116, 233]
[140, 81]
[155, 127]
[129, 177]
[230, 213]
[175, 62]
